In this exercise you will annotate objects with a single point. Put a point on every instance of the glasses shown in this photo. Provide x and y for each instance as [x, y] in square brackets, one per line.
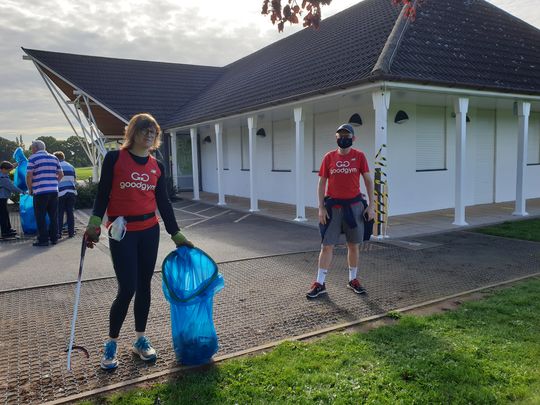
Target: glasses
[151, 132]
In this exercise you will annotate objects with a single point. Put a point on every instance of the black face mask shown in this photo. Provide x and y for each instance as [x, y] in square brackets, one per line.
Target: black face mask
[344, 143]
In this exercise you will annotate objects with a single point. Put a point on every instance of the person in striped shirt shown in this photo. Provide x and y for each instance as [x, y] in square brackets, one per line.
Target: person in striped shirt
[42, 177]
[66, 195]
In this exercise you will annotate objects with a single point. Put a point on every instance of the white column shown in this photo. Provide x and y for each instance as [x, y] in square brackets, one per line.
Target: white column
[252, 127]
[381, 103]
[300, 175]
[524, 110]
[195, 162]
[461, 105]
[219, 149]
[174, 158]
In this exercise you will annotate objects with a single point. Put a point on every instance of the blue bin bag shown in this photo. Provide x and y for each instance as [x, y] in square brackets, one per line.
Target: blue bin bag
[19, 177]
[26, 210]
[190, 280]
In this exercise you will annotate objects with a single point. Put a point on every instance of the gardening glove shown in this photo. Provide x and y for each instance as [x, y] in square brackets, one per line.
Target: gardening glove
[180, 240]
[93, 229]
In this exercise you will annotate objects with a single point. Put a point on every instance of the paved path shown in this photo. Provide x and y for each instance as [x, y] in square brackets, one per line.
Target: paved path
[224, 234]
[263, 300]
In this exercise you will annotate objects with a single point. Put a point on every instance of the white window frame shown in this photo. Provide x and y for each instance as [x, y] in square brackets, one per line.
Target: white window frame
[533, 142]
[282, 145]
[430, 143]
[244, 148]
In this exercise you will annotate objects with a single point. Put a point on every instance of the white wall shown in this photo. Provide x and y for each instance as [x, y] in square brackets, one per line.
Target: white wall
[505, 156]
[409, 191]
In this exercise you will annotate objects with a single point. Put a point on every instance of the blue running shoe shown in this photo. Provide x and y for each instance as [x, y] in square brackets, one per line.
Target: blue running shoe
[144, 349]
[109, 360]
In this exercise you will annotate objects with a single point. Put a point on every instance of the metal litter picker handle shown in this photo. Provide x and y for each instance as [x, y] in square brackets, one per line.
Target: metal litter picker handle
[76, 307]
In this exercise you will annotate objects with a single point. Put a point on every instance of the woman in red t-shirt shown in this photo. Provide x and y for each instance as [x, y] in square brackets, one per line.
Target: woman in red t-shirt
[132, 186]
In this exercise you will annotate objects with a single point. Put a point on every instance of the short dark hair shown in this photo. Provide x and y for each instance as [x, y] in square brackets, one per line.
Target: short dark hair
[5, 165]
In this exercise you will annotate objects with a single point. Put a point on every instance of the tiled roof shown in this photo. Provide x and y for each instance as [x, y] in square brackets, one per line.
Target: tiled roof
[340, 53]
[131, 86]
[461, 43]
[469, 43]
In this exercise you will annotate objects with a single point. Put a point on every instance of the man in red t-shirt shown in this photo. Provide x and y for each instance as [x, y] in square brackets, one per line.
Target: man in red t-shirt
[342, 207]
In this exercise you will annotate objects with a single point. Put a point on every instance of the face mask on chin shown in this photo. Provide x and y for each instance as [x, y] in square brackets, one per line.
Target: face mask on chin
[344, 143]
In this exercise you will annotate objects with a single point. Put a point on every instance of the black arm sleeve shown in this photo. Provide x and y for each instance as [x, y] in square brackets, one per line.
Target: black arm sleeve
[105, 183]
[164, 204]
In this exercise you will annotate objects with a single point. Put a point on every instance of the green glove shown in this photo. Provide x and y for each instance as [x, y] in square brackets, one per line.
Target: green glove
[93, 230]
[181, 240]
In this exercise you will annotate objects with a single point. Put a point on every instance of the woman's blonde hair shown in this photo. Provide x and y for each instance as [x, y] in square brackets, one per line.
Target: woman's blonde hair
[139, 124]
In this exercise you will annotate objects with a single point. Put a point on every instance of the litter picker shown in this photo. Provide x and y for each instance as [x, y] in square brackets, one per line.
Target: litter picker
[75, 309]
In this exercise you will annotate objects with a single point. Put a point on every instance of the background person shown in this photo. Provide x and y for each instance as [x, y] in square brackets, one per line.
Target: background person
[67, 193]
[6, 189]
[42, 176]
[342, 206]
[133, 185]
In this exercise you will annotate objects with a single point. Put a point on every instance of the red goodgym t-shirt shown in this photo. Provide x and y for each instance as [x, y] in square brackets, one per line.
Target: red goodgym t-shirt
[343, 173]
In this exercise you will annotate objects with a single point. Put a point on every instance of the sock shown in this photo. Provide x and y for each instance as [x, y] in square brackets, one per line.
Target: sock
[352, 273]
[139, 334]
[113, 339]
[321, 276]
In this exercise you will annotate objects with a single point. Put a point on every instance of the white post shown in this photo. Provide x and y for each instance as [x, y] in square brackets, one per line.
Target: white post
[381, 103]
[252, 127]
[300, 175]
[174, 159]
[524, 110]
[219, 149]
[461, 105]
[195, 162]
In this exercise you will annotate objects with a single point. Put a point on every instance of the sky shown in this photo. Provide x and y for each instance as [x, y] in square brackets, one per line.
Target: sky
[202, 32]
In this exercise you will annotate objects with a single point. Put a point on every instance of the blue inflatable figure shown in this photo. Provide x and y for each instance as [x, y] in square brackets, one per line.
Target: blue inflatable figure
[26, 202]
[190, 280]
[19, 178]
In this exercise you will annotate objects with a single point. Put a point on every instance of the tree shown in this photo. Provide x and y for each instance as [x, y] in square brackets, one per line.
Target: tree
[75, 153]
[292, 11]
[7, 148]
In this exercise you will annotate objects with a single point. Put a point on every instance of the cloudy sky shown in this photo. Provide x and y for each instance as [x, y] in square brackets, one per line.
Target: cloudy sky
[206, 32]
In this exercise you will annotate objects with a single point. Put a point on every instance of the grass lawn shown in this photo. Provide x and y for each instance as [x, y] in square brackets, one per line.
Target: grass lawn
[485, 352]
[83, 173]
[527, 230]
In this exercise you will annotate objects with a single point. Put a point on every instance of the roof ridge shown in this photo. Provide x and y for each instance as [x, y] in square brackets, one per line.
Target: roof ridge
[384, 62]
[112, 58]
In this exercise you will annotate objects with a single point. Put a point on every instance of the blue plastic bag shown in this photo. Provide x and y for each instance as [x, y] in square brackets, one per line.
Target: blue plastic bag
[19, 177]
[190, 280]
[26, 210]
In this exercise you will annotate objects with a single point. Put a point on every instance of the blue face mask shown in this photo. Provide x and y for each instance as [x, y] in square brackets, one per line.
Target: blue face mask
[344, 143]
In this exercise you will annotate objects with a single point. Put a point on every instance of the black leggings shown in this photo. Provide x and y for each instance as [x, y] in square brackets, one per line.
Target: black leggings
[134, 259]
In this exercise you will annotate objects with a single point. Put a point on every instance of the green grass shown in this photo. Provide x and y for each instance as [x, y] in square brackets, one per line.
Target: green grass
[486, 352]
[527, 230]
[83, 173]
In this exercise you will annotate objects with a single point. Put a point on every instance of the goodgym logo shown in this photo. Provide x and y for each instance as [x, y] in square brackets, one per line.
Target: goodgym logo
[342, 167]
[140, 181]
[140, 176]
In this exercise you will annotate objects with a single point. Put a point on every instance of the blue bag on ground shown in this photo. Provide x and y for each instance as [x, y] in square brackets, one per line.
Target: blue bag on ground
[19, 177]
[190, 280]
[26, 210]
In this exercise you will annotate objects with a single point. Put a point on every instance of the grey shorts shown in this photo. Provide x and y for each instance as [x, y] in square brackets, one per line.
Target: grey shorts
[338, 225]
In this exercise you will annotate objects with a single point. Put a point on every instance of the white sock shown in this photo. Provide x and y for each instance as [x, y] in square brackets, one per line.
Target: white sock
[139, 334]
[352, 273]
[321, 276]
